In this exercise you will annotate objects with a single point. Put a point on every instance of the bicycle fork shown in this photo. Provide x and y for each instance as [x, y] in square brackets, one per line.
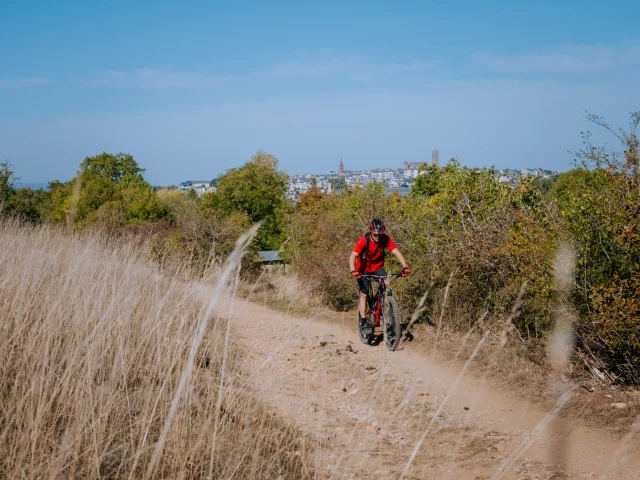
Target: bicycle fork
[376, 313]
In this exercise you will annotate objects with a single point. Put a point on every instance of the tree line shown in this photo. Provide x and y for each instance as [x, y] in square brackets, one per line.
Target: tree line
[459, 227]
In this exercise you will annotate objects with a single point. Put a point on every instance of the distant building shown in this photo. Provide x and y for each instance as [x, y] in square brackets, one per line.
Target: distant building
[435, 158]
[341, 167]
[199, 186]
[411, 169]
[531, 172]
[381, 174]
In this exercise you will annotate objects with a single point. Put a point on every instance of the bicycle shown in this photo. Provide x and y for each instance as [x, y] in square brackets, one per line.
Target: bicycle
[381, 305]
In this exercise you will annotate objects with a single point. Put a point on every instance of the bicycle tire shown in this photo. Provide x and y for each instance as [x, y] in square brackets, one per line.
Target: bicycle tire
[392, 326]
[364, 338]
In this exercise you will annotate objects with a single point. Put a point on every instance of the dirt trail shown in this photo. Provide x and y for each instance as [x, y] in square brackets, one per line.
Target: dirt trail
[368, 408]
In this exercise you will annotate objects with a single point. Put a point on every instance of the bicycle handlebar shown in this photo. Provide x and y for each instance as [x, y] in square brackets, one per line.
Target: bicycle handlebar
[380, 277]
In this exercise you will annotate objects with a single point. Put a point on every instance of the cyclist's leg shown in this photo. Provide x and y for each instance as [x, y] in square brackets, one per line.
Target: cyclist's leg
[363, 287]
[362, 303]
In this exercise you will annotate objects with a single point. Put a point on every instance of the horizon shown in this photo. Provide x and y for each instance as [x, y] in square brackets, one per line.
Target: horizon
[21, 183]
[200, 88]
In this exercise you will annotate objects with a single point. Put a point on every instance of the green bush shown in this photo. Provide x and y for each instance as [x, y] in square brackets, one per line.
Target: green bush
[600, 206]
[32, 205]
[258, 191]
[111, 194]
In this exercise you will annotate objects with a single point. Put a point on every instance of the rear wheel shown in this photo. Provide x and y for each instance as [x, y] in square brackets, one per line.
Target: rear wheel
[392, 326]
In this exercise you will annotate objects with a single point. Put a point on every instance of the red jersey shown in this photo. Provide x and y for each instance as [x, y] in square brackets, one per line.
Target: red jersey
[375, 255]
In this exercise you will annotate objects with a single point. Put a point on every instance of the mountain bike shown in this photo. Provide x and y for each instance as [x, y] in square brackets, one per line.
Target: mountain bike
[382, 308]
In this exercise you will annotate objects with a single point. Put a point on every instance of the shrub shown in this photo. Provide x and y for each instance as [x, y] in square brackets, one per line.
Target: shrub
[600, 206]
[111, 193]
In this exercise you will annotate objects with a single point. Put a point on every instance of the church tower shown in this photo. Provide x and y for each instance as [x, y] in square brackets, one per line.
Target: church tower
[341, 167]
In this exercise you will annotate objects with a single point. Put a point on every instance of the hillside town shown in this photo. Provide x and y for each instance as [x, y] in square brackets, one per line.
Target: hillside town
[394, 179]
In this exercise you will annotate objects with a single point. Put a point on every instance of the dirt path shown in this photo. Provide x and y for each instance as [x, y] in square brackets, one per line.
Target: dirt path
[369, 408]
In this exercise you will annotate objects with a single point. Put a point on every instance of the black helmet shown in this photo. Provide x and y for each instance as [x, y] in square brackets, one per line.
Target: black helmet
[377, 226]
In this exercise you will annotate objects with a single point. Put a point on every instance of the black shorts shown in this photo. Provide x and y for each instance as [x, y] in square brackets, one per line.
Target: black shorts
[363, 283]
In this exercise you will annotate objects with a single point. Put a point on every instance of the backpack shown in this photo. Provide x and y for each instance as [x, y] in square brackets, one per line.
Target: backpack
[382, 242]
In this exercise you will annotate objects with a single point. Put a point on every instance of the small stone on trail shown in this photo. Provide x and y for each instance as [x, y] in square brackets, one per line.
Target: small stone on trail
[588, 388]
[349, 348]
[619, 405]
[466, 408]
[423, 394]
[344, 389]
[338, 351]
[322, 344]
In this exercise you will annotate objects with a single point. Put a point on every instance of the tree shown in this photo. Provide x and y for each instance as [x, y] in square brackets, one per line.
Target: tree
[116, 168]
[628, 163]
[112, 192]
[427, 182]
[7, 181]
[599, 204]
[258, 190]
[544, 185]
[28, 204]
[32, 205]
[337, 183]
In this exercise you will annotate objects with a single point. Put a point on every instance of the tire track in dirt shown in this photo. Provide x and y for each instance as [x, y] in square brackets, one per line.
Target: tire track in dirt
[367, 408]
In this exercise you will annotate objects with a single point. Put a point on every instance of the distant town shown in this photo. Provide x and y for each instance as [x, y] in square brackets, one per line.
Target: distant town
[394, 179]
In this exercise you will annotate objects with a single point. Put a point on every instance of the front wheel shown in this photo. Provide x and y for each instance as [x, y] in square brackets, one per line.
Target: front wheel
[392, 326]
[365, 337]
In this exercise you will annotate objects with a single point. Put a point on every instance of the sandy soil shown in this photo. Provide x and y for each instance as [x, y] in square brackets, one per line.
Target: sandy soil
[378, 414]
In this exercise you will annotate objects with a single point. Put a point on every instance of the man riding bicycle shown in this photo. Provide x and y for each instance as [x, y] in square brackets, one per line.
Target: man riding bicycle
[368, 257]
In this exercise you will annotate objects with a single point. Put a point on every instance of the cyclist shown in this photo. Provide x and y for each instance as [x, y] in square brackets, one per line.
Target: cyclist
[368, 257]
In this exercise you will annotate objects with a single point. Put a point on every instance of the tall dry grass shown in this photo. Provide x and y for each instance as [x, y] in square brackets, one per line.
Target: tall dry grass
[94, 341]
[283, 291]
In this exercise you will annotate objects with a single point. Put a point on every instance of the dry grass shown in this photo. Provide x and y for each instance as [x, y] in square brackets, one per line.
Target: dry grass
[94, 343]
[283, 292]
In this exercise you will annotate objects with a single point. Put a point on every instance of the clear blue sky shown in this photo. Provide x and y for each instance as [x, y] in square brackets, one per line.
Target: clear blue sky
[193, 88]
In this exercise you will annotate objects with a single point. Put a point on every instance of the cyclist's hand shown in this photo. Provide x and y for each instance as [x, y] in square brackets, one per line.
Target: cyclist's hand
[356, 274]
[406, 271]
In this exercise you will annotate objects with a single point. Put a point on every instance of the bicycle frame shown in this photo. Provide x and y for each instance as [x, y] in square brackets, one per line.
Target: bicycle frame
[379, 294]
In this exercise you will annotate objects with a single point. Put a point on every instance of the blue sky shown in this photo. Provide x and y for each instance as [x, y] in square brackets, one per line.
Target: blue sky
[195, 88]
